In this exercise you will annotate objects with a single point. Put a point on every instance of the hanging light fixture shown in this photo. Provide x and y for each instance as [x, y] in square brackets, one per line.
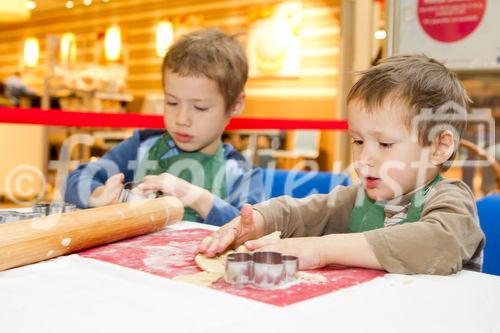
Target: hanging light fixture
[68, 49]
[31, 52]
[380, 34]
[14, 11]
[164, 37]
[113, 43]
[31, 5]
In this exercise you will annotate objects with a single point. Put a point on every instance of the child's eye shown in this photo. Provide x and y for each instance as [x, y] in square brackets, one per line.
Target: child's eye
[357, 142]
[171, 103]
[199, 108]
[385, 145]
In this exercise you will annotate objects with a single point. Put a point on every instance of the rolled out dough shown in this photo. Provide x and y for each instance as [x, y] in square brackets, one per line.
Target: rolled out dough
[311, 277]
[204, 279]
[214, 268]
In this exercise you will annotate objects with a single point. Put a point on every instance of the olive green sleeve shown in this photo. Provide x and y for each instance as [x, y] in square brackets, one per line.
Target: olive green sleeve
[314, 215]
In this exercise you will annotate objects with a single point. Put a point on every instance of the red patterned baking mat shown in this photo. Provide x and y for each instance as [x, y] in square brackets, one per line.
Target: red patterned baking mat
[170, 253]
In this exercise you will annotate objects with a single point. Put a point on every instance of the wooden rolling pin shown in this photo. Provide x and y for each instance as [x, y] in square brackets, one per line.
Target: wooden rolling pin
[30, 241]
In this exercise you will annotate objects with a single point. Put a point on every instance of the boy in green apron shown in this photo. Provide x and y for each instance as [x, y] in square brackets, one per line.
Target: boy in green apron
[405, 119]
[203, 76]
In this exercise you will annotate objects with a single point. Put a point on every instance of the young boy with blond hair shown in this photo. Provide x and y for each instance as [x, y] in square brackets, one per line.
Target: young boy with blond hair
[405, 119]
[203, 76]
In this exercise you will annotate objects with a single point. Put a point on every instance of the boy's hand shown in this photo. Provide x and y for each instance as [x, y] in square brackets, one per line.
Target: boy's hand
[190, 195]
[107, 193]
[169, 185]
[307, 249]
[249, 225]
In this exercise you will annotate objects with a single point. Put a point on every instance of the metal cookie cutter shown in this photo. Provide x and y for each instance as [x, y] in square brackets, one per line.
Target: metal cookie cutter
[239, 269]
[13, 216]
[269, 271]
[38, 210]
[291, 264]
[264, 270]
[61, 207]
[45, 208]
[127, 194]
[42, 208]
[8, 216]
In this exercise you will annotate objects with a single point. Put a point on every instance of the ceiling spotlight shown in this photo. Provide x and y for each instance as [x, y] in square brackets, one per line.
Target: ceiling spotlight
[70, 4]
[87, 2]
[31, 5]
[105, 1]
[31, 52]
[380, 34]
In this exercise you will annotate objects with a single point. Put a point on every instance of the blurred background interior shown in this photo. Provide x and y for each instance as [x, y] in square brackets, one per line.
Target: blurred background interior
[104, 56]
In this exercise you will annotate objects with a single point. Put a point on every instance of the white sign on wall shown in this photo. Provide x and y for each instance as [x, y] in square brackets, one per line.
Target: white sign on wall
[463, 34]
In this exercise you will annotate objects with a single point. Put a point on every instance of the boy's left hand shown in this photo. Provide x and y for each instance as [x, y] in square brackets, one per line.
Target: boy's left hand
[307, 249]
[166, 183]
[190, 195]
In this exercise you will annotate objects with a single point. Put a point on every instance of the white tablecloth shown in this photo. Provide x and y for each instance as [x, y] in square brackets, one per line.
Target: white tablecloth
[74, 294]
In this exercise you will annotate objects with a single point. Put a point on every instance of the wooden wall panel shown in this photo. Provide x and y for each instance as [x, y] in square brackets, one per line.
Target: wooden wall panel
[320, 42]
[312, 95]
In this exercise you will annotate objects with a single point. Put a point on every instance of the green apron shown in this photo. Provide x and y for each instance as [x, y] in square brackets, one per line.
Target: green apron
[370, 215]
[203, 170]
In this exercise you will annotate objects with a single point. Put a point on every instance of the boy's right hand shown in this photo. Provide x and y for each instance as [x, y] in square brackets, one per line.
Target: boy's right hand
[249, 225]
[107, 193]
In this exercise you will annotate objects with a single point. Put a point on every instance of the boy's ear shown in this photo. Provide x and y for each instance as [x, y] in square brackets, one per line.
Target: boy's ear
[239, 104]
[442, 147]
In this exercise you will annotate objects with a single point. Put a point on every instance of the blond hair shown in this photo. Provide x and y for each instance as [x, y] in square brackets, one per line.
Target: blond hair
[423, 84]
[213, 54]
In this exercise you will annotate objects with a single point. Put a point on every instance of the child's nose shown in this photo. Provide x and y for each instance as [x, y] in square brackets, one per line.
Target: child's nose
[183, 117]
[367, 157]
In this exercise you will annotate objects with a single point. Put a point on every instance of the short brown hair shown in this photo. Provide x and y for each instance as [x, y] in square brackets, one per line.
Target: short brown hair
[424, 84]
[211, 53]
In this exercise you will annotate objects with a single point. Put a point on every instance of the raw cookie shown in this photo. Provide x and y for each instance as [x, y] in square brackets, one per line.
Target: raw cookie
[312, 277]
[214, 268]
[204, 279]
[215, 265]
[218, 264]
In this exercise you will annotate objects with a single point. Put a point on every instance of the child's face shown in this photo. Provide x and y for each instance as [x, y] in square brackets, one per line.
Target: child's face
[194, 112]
[387, 160]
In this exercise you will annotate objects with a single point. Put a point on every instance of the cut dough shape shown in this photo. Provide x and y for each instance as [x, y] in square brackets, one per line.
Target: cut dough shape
[214, 268]
[218, 264]
[215, 265]
[204, 279]
[311, 277]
